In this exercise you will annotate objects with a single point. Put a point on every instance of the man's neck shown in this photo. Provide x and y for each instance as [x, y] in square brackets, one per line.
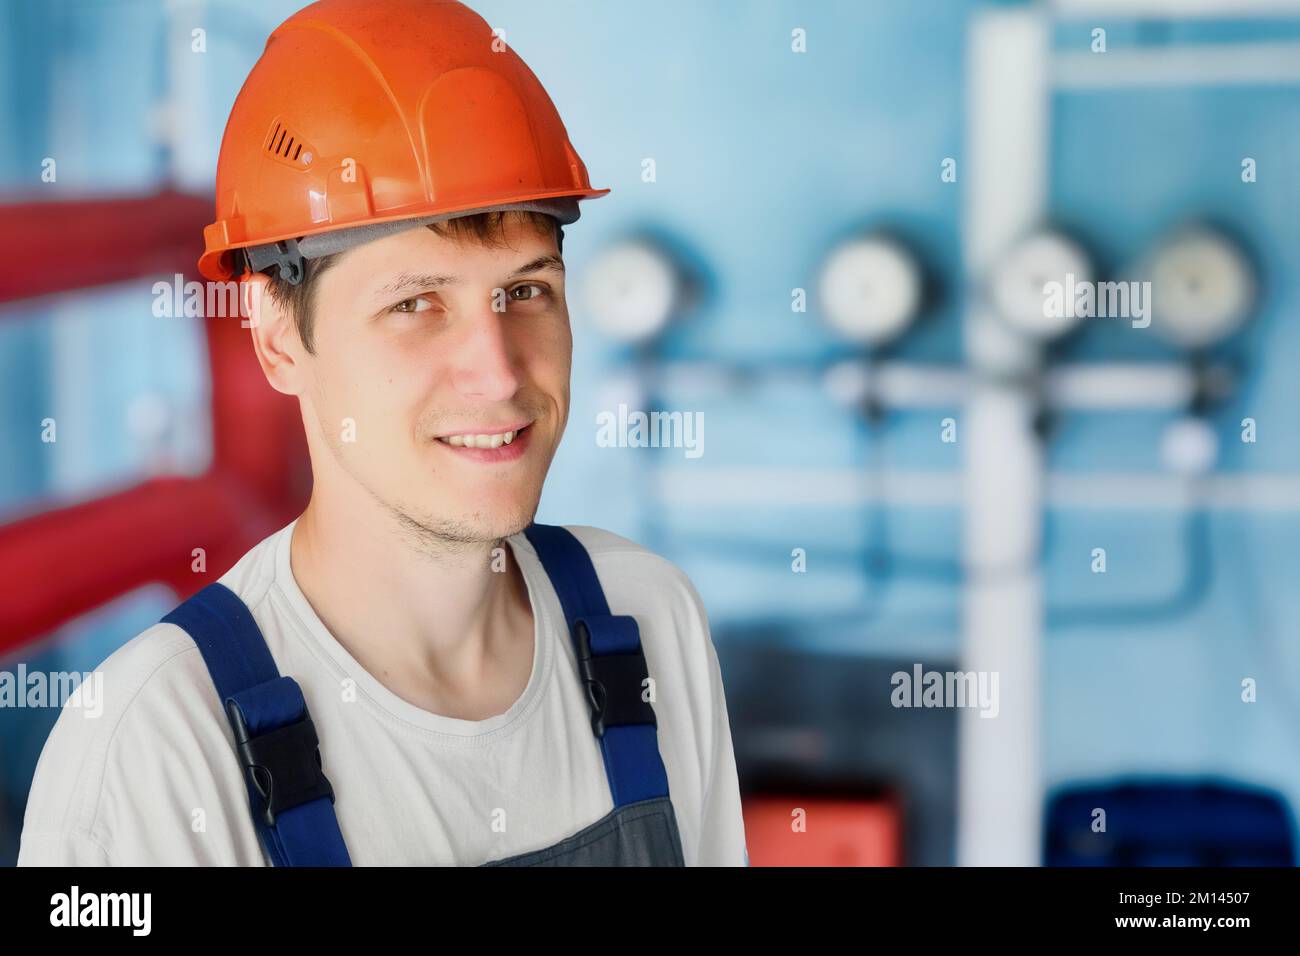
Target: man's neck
[435, 624]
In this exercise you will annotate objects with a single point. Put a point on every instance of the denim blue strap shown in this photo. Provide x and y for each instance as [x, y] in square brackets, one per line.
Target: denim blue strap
[246, 678]
[630, 750]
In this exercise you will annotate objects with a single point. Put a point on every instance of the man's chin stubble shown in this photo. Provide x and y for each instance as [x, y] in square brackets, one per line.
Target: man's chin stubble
[436, 537]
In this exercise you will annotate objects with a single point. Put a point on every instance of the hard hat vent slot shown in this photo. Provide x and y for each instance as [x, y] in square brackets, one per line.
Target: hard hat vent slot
[286, 146]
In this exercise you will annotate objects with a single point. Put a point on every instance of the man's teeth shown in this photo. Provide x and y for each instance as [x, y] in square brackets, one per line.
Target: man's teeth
[480, 441]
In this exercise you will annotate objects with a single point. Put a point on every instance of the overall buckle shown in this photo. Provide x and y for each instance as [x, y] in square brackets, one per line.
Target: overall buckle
[613, 681]
[283, 765]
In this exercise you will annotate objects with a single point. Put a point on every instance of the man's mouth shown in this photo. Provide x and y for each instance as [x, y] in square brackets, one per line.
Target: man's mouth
[484, 440]
[497, 445]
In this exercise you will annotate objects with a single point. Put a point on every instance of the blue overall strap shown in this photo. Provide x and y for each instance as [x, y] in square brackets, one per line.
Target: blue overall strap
[291, 801]
[611, 665]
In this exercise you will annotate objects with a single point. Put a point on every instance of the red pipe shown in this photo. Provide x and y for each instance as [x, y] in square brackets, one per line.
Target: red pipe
[67, 561]
[63, 245]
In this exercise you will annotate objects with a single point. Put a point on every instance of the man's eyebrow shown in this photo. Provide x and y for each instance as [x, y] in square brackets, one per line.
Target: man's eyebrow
[415, 281]
[410, 281]
[553, 263]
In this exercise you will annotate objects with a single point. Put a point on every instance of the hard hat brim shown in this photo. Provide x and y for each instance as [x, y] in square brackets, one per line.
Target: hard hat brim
[217, 264]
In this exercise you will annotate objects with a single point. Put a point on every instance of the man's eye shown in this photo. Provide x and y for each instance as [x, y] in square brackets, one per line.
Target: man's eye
[406, 305]
[410, 305]
[538, 291]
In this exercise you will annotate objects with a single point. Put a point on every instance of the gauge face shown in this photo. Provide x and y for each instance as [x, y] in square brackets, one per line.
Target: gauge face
[1202, 288]
[1033, 285]
[632, 291]
[870, 290]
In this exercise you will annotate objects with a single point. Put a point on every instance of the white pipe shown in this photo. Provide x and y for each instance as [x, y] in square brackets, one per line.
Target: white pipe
[185, 106]
[1000, 790]
[911, 386]
[750, 487]
[1174, 9]
[1120, 386]
[1181, 65]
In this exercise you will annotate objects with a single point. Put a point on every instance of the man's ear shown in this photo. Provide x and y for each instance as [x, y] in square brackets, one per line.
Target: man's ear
[275, 338]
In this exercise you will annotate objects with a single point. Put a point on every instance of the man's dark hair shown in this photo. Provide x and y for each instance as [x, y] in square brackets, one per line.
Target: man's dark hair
[484, 228]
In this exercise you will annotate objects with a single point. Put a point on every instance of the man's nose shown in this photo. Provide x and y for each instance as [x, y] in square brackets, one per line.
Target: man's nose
[485, 366]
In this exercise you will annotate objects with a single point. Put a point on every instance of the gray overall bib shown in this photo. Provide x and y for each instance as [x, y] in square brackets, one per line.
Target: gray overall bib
[637, 834]
[292, 802]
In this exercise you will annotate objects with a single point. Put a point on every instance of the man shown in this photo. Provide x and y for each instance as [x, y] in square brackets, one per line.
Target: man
[411, 672]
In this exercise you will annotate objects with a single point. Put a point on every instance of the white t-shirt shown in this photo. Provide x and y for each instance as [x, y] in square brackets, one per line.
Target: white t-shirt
[154, 779]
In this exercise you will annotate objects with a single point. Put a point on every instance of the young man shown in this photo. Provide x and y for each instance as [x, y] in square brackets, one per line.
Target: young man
[411, 672]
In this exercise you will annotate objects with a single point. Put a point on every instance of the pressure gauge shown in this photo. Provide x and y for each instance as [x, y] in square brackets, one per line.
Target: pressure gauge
[633, 290]
[870, 289]
[1033, 286]
[1202, 287]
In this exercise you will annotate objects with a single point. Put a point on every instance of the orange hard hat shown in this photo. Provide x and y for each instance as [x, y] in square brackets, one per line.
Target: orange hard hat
[364, 117]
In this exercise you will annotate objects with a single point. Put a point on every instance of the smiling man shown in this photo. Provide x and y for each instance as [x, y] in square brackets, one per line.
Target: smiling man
[412, 671]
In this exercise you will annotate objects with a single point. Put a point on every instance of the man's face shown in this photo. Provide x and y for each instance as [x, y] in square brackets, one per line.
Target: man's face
[441, 375]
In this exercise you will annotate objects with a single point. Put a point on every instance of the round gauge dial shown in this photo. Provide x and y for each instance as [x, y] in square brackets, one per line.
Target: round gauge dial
[1022, 287]
[870, 289]
[632, 291]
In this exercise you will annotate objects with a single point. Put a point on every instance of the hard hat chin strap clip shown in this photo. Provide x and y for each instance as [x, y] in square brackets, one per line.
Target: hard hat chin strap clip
[283, 254]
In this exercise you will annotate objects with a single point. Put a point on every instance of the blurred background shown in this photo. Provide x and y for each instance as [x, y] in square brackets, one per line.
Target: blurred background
[829, 234]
